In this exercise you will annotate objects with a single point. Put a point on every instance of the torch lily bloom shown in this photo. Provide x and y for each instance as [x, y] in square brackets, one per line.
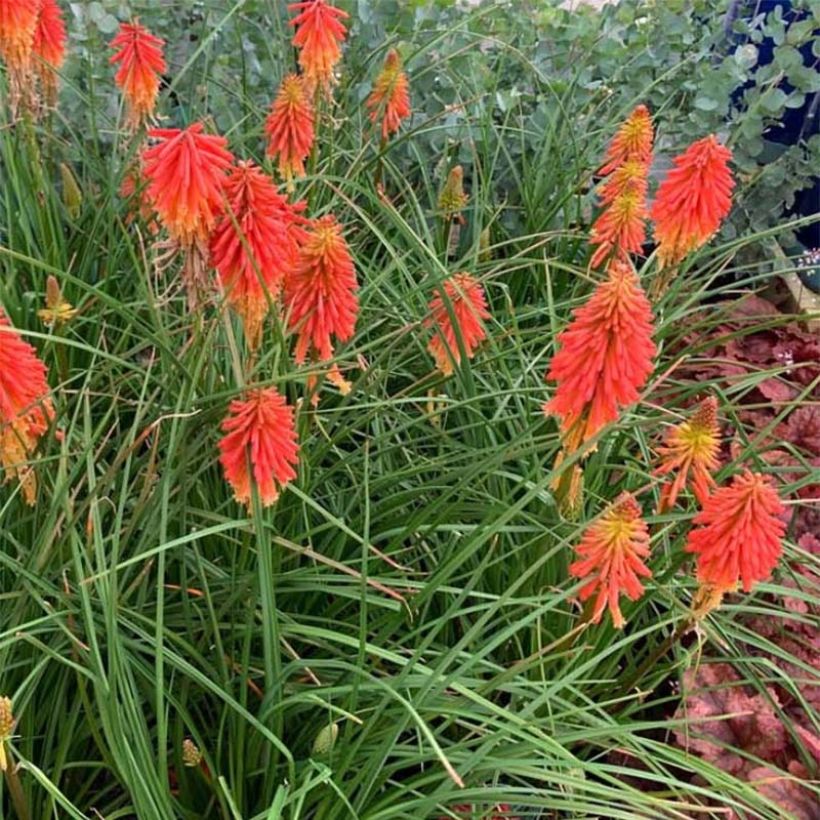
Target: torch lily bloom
[463, 321]
[141, 68]
[738, 535]
[319, 34]
[260, 445]
[610, 558]
[691, 451]
[632, 142]
[605, 357]
[49, 46]
[254, 244]
[693, 200]
[289, 128]
[390, 98]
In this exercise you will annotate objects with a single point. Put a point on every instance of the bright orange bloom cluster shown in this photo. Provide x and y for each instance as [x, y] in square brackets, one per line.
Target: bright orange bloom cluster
[320, 293]
[605, 357]
[621, 227]
[633, 142]
[289, 128]
[693, 200]
[390, 98]
[691, 450]
[609, 558]
[458, 321]
[140, 71]
[185, 171]
[319, 34]
[49, 46]
[18, 21]
[739, 533]
[260, 432]
[255, 242]
[25, 409]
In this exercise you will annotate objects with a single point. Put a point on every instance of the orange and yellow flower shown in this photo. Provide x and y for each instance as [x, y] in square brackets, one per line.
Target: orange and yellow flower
[610, 558]
[260, 446]
[141, 68]
[390, 98]
[25, 408]
[632, 142]
[289, 128]
[319, 35]
[254, 244]
[605, 357]
[185, 171]
[457, 318]
[691, 451]
[693, 200]
[320, 292]
[49, 46]
[738, 535]
[18, 22]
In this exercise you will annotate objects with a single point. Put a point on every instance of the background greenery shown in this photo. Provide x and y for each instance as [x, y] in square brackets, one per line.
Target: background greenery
[411, 587]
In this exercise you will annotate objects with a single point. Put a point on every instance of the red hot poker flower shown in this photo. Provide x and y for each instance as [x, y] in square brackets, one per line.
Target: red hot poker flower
[693, 200]
[621, 227]
[691, 449]
[289, 128]
[469, 309]
[22, 375]
[259, 430]
[18, 20]
[605, 357]
[609, 558]
[390, 98]
[141, 66]
[185, 171]
[633, 142]
[254, 244]
[738, 534]
[49, 46]
[319, 33]
[320, 293]
[25, 409]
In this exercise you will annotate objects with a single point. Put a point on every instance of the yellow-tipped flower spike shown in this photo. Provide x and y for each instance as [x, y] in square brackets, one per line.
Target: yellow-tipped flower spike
[452, 199]
[6, 729]
[56, 311]
[191, 756]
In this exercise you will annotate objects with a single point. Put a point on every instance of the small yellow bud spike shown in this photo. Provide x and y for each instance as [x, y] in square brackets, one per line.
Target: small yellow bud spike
[56, 311]
[191, 756]
[72, 195]
[326, 739]
[6, 729]
[453, 200]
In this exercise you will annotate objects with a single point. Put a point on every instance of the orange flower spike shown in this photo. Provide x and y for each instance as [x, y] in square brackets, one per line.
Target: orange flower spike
[254, 245]
[620, 229]
[691, 450]
[260, 432]
[18, 22]
[633, 141]
[610, 558]
[390, 98]
[319, 35]
[290, 128]
[611, 335]
[738, 535]
[141, 68]
[320, 292]
[185, 172]
[469, 308]
[22, 374]
[49, 46]
[25, 409]
[693, 200]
